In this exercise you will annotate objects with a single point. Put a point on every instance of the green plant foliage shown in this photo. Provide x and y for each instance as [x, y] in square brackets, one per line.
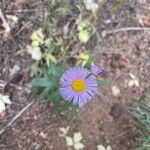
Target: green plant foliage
[74, 110]
[88, 63]
[56, 9]
[42, 82]
[146, 144]
[141, 111]
[101, 83]
[66, 30]
[46, 90]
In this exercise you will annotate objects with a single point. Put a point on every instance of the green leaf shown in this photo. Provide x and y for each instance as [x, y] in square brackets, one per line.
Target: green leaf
[34, 91]
[64, 106]
[141, 111]
[53, 70]
[80, 64]
[88, 64]
[44, 93]
[52, 47]
[146, 143]
[42, 82]
[63, 58]
[101, 83]
[73, 112]
[34, 69]
[55, 97]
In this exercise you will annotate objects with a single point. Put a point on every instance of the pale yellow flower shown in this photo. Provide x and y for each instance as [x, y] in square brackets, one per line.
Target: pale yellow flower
[37, 35]
[85, 30]
[35, 43]
[34, 36]
[37, 38]
[84, 36]
[35, 52]
[83, 25]
[91, 5]
[82, 58]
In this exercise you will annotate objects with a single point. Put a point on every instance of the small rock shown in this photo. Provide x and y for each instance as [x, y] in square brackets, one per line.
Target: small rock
[107, 21]
[116, 111]
[118, 61]
[43, 135]
[115, 91]
[100, 147]
[132, 83]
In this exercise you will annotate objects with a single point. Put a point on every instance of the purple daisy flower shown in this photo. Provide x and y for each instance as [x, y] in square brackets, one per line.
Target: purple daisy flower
[78, 85]
[96, 70]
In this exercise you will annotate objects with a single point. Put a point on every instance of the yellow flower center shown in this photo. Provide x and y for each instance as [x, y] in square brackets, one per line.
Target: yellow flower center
[78, 85]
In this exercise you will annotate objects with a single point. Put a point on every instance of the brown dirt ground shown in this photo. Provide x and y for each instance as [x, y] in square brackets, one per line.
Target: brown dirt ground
[104, 120]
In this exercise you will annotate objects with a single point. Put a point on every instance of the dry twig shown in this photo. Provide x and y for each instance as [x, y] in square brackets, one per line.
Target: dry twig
[25, 26]
[24, 11]
[16, 117]
[26, 88]
[125, 29]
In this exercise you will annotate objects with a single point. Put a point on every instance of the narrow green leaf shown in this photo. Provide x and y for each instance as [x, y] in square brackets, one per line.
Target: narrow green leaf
[73, 112]
[34, 91]
[42, 82]
[101, 83]
[88, 64]
[44, 93]
[80, 64]
[55, 97]
[34, 69]
[64, 106]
